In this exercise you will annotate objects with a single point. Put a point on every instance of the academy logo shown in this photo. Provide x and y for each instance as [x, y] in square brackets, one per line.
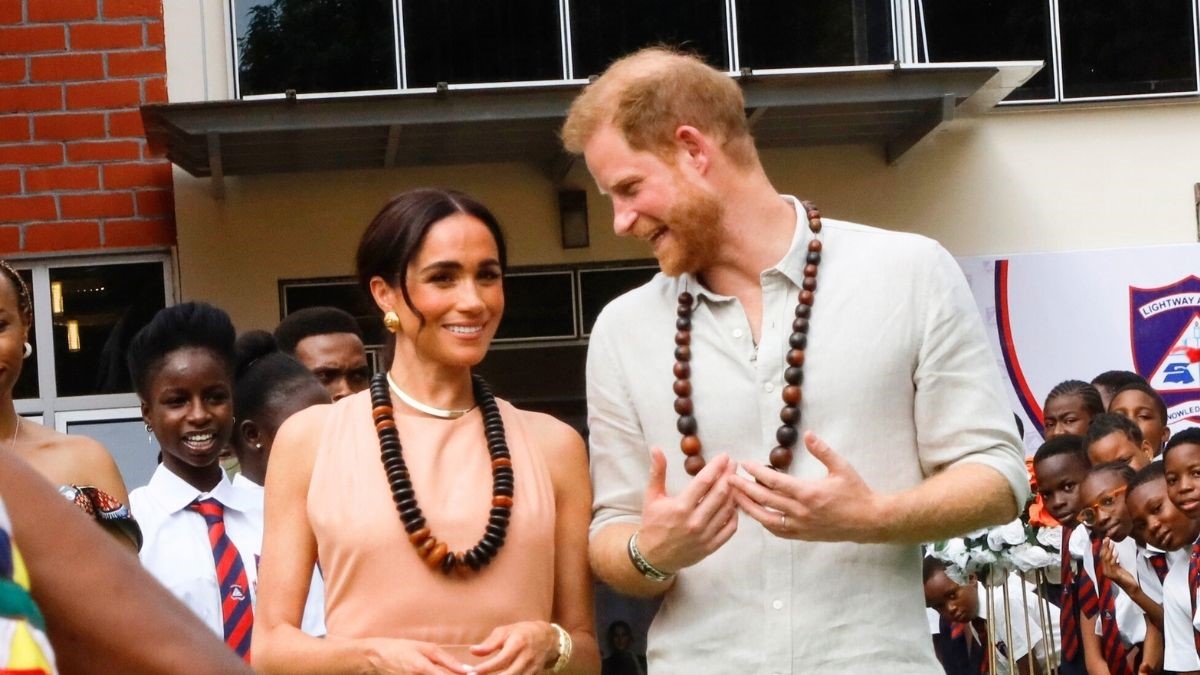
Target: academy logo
[1165, 340]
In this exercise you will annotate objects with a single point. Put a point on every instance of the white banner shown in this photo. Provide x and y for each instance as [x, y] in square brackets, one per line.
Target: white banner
[1063, 316]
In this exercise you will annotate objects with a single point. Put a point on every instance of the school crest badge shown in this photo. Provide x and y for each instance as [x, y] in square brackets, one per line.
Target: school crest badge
[1164, 332]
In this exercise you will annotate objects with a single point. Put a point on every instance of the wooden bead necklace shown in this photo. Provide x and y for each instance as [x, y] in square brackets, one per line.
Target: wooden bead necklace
[787, 434]
[436, 554]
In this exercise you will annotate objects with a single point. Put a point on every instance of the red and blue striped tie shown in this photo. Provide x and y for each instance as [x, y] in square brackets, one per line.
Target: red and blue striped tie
[1110, 635]
[1069, 617]
[236, 611]
[1158, 561]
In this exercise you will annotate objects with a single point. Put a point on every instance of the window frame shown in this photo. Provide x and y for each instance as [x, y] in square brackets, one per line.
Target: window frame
[921, 51]
[909, 42]
[49, 405]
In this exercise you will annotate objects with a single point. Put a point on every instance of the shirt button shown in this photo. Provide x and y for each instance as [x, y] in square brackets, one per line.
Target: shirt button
[768, 387]
[778, 604]
[737, 332]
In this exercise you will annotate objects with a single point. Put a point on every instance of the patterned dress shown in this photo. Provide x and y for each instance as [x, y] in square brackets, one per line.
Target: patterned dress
[24, 649]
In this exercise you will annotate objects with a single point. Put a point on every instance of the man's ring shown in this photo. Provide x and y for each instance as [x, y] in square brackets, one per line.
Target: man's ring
[783, 521]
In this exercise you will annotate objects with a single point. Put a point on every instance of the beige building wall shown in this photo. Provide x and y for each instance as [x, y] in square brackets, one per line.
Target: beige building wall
[1016, 180]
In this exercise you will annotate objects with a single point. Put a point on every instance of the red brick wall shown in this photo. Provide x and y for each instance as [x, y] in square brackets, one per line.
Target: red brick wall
[75, 170]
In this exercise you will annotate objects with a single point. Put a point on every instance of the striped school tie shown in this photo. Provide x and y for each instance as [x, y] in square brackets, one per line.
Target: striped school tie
[974, 645]
[1069, 617]
[1110, 634]
[236, 612]
[1158, 561]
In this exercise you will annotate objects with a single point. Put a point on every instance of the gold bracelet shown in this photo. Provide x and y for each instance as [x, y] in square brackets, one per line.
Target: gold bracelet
[564, 649]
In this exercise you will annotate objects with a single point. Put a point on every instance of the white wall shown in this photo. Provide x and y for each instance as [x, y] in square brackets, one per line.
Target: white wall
[1050, 178]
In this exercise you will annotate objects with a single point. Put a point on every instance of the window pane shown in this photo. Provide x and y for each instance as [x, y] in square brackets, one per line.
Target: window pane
[538, 305]
[104, 306]
[604, 30]
[134, 450]
[315, 45]
[821, 33]
[993, 30]
[545, 379]
[597, 288]
[346, 295]
[1126, 47]
[461, 41]
[27, 381]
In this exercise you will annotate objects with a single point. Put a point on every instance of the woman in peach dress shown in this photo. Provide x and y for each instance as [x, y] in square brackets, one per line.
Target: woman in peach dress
[450, 526]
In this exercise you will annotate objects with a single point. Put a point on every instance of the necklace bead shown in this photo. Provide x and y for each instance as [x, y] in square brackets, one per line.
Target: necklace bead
[437, 555]
[786, 435]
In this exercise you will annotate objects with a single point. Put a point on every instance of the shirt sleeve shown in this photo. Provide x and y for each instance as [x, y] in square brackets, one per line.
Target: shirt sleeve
[962, 414]
[620, 461]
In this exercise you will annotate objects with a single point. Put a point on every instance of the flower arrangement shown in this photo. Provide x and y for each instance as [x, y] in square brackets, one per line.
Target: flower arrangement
[1029, 543]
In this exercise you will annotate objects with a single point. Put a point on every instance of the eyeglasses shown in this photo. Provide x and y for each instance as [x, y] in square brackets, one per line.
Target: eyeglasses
[1089, 515]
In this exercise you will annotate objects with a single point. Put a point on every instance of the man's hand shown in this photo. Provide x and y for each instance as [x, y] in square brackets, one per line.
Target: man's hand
[680, 531]
[838, 507]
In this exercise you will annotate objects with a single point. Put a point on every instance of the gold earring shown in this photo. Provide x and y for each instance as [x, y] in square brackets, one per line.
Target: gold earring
[391, 321]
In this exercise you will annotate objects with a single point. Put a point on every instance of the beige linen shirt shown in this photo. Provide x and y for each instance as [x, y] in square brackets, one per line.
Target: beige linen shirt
[898, 379]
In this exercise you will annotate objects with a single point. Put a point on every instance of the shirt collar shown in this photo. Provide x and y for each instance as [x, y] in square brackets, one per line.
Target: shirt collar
[174, 493]
[790, 266]
[242, 483]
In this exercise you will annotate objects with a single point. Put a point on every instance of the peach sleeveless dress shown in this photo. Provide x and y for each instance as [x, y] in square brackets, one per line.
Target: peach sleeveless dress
[375, 584]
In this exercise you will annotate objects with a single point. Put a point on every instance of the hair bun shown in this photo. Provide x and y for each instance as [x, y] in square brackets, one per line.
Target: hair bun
[250, 347]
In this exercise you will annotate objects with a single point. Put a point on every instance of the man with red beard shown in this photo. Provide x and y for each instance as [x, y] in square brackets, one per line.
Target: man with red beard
[907, 435]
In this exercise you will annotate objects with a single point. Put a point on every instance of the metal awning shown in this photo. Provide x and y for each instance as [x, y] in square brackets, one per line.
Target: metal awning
[893, 106]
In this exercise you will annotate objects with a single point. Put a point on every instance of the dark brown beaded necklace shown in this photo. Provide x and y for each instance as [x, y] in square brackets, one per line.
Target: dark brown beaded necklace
[437, 554]
[787, 434]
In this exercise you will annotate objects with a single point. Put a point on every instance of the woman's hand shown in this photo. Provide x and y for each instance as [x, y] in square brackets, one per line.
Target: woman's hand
[1111, 568]
[522, 648]
[409, 657]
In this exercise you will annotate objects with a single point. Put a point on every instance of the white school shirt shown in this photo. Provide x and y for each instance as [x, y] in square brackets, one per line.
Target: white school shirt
[175, 548]
[1025, 615]
[1131, 620]
[313, 621]
[1178, 631]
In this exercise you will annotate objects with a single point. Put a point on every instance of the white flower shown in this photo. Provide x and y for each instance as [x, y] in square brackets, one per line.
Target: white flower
[956, 574]
[1010, 534]
[979, 559]
[1028, 557]
[952, 552]
[1050, 537]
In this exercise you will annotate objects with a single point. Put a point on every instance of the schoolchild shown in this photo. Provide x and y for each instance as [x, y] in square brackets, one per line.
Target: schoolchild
[967, 619]
[1181, 460]
[1069, 408]
[1163, 525]
[1110, 382]
[1120, 622]
[1061, 465]
[1142, 404]
[269, 387]
[200, 536]
[1115, 438]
